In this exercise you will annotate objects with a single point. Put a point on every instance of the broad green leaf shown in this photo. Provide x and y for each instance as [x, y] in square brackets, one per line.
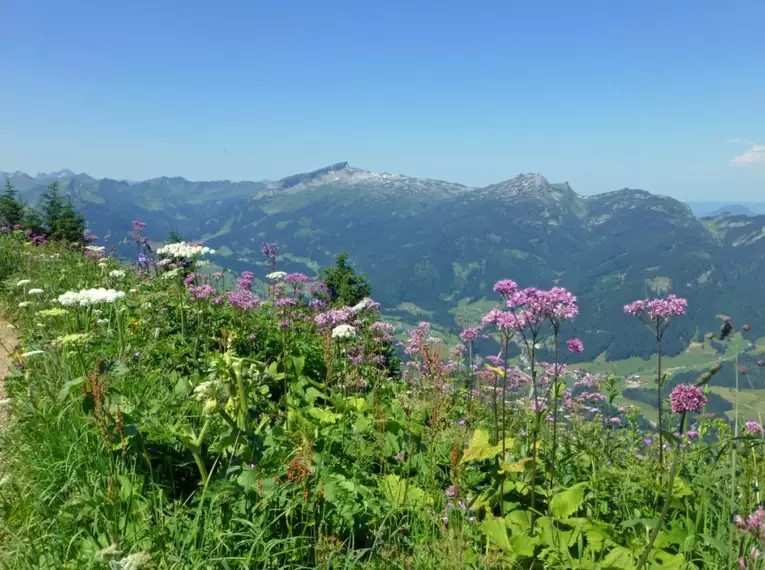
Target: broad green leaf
[324, 416]
[619, 557]
[496, 532]
[516, 467]
[519, 521]
[565, 503]
[400, 492]
[662, 560]
[312, 394]
[67, 388]
[299, 363]
[479, 448]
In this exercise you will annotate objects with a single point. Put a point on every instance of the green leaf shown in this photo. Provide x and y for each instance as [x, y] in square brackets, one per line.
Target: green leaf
[400, 492]
[517, 466]
[66, 389]
[619, 557]
[565, 503]
[249, 478]
[299, 363]
[480, 448]
[496, 532]
[324, 416]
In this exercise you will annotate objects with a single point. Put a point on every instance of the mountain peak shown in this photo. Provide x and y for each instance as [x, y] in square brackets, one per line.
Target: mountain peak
[529, 183]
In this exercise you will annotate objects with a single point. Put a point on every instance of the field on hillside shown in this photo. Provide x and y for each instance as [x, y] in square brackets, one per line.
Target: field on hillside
[163, 415]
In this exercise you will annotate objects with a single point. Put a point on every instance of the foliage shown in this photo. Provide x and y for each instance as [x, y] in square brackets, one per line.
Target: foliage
[344, 286]
[178, 426]
[11, 208]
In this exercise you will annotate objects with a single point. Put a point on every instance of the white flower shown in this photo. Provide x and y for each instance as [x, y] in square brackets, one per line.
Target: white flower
[103, 321]
[117, 274]
[183, 250]
[24, 304]
[23, 282]
[103, 261]
[95, 248]
[203, 263]
[343, 331]
[35, 292]
[163, 262]
[276, 275]
[365, 303]
[6, 402]
[172, 273]
[87, 297]
[32, 353]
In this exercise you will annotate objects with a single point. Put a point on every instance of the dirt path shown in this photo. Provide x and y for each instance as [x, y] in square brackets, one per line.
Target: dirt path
[7, 344]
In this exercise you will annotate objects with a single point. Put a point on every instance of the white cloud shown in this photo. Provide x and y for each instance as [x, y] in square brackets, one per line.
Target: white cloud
[755, 154]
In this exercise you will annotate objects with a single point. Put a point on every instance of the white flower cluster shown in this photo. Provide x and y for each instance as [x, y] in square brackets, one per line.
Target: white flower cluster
[35, 292]
[276, 275]
[117, 274]
[23, 282]
[183, 250]
[343, 331]
[88, 297]
[95, 248]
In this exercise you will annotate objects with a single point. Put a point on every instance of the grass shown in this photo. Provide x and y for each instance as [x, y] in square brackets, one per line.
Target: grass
[164, 429]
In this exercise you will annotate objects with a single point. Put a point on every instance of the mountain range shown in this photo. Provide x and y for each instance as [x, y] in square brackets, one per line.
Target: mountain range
[433, 249]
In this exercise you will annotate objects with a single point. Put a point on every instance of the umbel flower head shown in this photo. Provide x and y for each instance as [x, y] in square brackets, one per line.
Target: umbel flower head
[687, 398]
[184, 250]
[87, 297]
[343, 331]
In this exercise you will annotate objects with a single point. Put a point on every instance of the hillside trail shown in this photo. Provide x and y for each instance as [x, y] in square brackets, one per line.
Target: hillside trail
[8, 342]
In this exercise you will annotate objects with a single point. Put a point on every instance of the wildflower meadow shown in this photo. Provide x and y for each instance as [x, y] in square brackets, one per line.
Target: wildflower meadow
[164, 414]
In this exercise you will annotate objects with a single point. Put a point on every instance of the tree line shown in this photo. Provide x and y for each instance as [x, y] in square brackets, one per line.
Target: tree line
[55, 217]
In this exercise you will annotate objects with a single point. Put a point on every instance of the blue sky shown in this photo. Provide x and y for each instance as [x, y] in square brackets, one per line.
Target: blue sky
[665, 96]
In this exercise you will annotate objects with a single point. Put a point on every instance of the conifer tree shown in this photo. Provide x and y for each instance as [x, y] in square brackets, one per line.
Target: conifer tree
[11, 208]
[51, 208]
[344, 287]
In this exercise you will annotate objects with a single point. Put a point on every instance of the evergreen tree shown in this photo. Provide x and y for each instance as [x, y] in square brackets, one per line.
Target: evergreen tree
[33, 221]
[344, 287]
[51, 208]
[174, 237]
[70, 226]
[11, 208]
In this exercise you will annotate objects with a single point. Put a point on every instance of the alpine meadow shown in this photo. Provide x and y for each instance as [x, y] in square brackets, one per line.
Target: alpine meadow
[345, 369]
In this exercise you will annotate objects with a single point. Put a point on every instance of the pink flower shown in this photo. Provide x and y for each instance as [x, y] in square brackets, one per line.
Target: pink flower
[470, 334]
[575, 345]
[296, 278]
[687, 398]
[658, 309]
[754, 427]
[505, 287]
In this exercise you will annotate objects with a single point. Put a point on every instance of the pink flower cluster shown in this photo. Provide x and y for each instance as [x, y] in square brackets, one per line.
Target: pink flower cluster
[754, 428]
[659, 309]
[687, 398]
[470, 334]
[575, 345]
[333, 317]
[243, 299]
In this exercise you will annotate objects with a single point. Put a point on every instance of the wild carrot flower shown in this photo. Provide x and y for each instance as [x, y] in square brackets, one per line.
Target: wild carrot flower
[343, 331]
[276, 275]
[23, 282]
[687, 398]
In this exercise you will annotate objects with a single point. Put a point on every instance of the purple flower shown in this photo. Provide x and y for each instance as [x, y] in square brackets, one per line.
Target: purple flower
[659, 309]
[248, 275]
[296, 278]
[452, 491]
[754, 427]
[575, 345]
[692, 434]
[647, 440]
[505, 287]
[202, 292]
[245, 283]
[462, 422]
[687, 398]
[243, 299]
[470, 334]
[189, 279]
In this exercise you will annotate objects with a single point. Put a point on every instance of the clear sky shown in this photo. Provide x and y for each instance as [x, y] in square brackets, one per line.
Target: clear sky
[662, 95]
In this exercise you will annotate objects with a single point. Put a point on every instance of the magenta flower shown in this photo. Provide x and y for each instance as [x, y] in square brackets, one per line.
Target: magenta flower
[296, 278]
[243, 299]
[202, 292]
[470, 334]
[245, 283]
[505, 287]
[687, 398]
[248, 275]
[658, 309]
[575, 345]
[754, 427]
